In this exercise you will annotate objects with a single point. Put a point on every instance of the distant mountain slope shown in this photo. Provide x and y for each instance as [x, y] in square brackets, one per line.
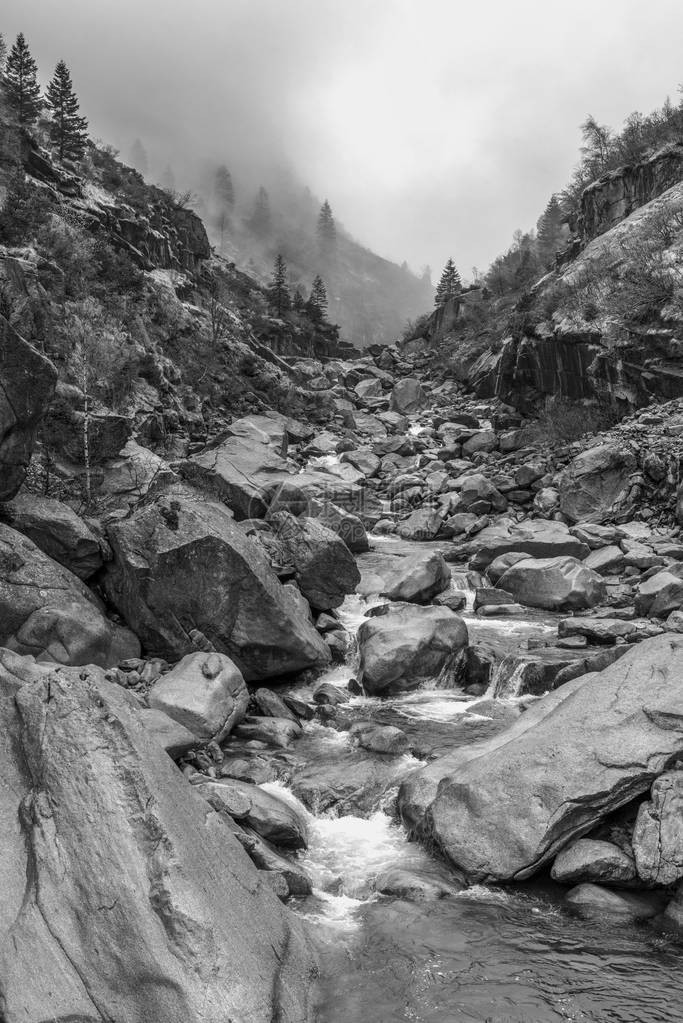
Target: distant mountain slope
[371, 298]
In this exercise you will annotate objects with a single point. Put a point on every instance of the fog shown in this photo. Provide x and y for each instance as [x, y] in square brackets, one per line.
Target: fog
[434, 128]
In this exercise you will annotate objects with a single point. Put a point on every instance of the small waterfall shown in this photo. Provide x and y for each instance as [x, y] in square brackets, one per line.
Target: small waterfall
[508, 678]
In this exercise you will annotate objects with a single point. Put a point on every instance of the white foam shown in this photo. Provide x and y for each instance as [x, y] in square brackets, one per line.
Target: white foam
[347, 853]
[353, 611]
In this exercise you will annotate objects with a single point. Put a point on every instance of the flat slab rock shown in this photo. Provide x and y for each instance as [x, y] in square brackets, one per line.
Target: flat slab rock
[538, 538]
[506, 806]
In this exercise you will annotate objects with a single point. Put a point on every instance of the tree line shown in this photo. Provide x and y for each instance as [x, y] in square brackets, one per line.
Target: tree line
[19, 75]
[281, 300]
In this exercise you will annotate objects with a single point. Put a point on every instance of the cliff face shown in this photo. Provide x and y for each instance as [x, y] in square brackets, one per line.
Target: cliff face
[157, 235]
[528, 370]
[616, 195]
[608, 326]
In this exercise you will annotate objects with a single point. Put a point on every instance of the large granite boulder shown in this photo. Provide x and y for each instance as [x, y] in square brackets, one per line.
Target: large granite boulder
[325, 569]
[407, 396]
[537, 538]
[554, 584]
[506, 806]
[409, 646]
[27, 383]
[661, 594]
[272, 428]
[204, 692]
[658, 833]
[344, 523]
[479, 492]
[421, 525]
[181, 564]
[240, 472]
[57, 530]
[417, 579]
[47, 612]
[125, 897]
[595, 486]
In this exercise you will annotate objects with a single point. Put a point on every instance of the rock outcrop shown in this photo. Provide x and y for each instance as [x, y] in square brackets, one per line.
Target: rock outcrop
[181, 564]
[125, 897]
[595, 485]
[617, 194]
[27, 383]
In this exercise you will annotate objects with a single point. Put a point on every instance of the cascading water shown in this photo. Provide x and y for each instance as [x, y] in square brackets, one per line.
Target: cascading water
[481, 954]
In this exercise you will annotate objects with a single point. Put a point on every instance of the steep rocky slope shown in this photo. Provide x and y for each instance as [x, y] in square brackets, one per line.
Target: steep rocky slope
[602, 328]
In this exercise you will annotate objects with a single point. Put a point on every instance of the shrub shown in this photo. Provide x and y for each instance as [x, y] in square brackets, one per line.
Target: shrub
[25, 211]
[563, 421]
[69, 246]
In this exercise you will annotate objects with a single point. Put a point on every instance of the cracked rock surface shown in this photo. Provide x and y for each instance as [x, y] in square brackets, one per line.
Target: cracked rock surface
[131, 894]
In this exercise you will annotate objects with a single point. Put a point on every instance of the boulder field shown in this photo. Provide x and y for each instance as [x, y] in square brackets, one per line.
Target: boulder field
[160, 660]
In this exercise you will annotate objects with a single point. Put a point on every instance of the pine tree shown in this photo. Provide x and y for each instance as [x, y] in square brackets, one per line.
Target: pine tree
[223, 187]
[259, 222]
[3, 54]
[138, 157]
[278, 292]
[68, 129]
[316, 307]
[168, 179]
[21, 80]
[327, 231]
[449, 285]
[549, 229]
[298, 302]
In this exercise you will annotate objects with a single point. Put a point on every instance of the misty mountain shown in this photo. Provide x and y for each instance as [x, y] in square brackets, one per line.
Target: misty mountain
[371, 298]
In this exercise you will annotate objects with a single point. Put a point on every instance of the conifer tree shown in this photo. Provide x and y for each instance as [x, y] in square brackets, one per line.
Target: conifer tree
[327, 231]
[316, 307]
[223, 187]
[278, 293]
[3, 54]
[259, 222]
[168, 179]
[68, 129]
[298, 302]
[138, 156]
[449, 284]
[549, 229]
[21, 80]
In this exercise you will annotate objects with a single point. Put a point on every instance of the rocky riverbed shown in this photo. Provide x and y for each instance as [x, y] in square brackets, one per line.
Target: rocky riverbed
[383, 717]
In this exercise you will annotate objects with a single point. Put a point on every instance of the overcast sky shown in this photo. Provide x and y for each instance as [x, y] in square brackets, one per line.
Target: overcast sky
[434, 127]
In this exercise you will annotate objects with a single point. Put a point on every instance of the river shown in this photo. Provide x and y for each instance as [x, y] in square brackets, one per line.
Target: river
[485, 954]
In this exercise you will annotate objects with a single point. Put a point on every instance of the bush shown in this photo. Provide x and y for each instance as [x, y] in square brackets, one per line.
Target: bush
[68, 245]
[563, 421]
[25, 211]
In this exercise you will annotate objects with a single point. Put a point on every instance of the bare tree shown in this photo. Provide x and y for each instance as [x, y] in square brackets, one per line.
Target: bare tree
[219, 317]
